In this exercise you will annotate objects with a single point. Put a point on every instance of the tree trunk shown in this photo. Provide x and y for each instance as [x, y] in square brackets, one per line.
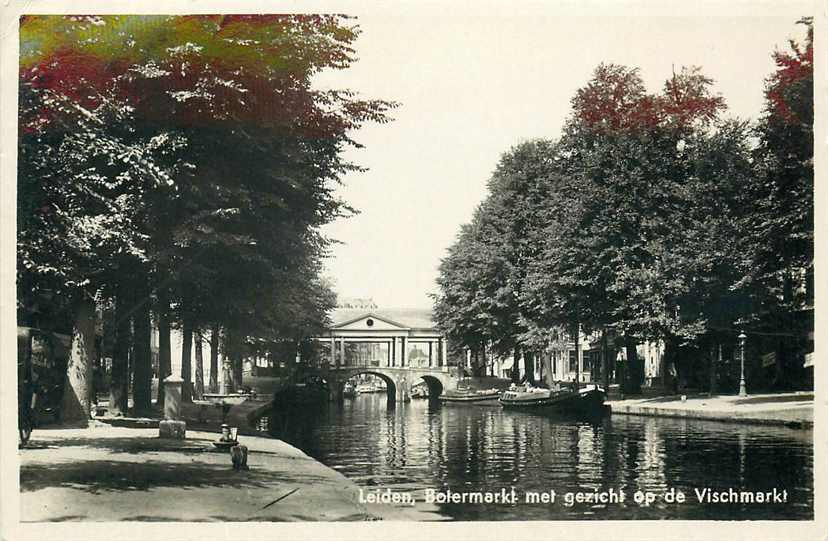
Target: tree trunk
[605, 381]
[633, 371]
[481, 370]
[198, 391]
[516, 365]
[24, 355]
[549, 373]
[187, 362]
[77, 395]
[713, 381]
[119, 376]
[214, 351]
[577, 340]
[238, 370]
[142, 352]
[529, 365]
[164, 353]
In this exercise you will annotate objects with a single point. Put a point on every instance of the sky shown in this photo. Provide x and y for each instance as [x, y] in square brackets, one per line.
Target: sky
[471, 87]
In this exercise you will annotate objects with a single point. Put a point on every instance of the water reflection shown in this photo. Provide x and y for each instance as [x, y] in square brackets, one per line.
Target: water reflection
[419, 445]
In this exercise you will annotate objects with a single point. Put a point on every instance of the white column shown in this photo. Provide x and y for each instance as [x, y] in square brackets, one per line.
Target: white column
[444, 355]
[342, 351]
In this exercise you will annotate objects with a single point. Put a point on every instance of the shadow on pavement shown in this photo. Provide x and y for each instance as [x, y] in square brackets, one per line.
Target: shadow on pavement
[127, 444]
[97, 476]
[775, 399]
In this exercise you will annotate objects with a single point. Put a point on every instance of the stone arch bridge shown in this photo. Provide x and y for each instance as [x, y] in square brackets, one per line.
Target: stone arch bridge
[398, 380]
[401, 346]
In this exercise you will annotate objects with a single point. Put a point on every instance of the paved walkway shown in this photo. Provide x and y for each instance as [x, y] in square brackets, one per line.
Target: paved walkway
[791, 409]
[107, 473]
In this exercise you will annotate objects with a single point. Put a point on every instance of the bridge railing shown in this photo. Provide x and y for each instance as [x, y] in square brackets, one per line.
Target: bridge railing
[361, 363]
[384, 367]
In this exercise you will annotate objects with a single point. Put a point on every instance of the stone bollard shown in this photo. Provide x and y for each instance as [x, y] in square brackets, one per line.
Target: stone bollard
[172, 426]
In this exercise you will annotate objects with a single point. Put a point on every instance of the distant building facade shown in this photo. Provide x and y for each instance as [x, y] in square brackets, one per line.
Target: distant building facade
[362, 334]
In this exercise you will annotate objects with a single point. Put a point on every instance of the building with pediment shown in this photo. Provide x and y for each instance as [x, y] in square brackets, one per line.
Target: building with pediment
[383, 337]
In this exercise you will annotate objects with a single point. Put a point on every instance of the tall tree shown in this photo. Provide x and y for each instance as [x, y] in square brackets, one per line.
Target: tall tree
[783, 222]
[77, 397]
[138, 111]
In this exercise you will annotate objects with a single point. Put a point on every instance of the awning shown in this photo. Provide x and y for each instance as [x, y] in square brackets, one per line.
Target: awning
[507, 364]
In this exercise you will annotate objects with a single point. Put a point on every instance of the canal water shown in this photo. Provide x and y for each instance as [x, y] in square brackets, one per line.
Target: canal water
[423, 449]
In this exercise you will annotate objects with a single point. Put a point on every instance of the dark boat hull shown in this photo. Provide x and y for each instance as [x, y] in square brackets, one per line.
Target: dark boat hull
[568, 401]
[470, 398]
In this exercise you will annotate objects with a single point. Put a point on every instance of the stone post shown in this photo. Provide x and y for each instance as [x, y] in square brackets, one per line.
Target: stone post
[172, 426]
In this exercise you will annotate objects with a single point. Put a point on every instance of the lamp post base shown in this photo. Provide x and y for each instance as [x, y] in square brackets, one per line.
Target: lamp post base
[742, 388]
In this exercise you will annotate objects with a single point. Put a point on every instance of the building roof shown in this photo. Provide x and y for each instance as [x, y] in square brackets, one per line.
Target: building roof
[414, 318]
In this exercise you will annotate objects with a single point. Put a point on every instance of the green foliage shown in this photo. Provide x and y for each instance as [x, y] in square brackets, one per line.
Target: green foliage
[652, 215]
[783, 190]
[193, 150]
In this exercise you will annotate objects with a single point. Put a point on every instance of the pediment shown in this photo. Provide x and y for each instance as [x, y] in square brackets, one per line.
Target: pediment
[370, 322]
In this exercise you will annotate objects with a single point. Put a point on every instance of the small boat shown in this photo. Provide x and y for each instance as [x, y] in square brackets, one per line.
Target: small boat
[370, 388]
[470, 396]
[588, 399]
[349, 391]
[419, 391]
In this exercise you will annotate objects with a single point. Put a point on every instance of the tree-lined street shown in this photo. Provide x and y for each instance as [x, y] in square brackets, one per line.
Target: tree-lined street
[654, 217]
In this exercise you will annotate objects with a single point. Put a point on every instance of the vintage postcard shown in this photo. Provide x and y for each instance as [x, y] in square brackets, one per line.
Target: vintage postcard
[448, 270]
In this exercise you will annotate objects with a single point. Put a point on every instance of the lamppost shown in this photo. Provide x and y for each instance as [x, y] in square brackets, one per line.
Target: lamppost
[742, 388]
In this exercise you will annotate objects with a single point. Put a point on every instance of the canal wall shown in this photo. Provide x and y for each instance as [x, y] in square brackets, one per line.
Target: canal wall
[781, 409]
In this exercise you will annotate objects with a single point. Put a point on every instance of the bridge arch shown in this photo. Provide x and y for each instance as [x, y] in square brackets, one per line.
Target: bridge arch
[435, 386]
[398, 381]
[390, 384]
